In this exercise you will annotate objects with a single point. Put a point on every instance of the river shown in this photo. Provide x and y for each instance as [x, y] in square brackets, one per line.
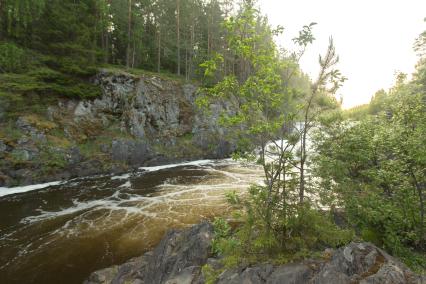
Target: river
[61, 232]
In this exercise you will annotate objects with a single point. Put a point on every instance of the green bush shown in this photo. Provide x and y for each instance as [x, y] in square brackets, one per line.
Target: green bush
[375, 170]
[301, 234]
[12, 58]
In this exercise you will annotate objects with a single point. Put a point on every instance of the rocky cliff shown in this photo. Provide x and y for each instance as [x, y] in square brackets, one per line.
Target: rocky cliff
[180, 256]
[138, 120]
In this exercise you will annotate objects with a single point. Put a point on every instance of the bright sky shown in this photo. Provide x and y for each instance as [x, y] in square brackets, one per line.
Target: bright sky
[374, 38]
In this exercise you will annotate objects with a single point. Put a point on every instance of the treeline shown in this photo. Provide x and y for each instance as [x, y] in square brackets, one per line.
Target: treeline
[158, 35]
[378, 102]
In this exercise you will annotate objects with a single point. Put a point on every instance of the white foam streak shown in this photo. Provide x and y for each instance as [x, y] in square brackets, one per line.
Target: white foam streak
[192, 163]
[21, 189]
[4, 191]
[125, 176]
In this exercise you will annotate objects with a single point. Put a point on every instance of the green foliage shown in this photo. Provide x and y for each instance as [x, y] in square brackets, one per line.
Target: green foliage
[12, 58]
[302, 235]
[375, 169]
[52, 158]
[10, 132]
[233, 198]
[277, 222]
[45, 81]
[357, 113]
[138, 33]
[210, 274]
[414, 259]
[222, 231]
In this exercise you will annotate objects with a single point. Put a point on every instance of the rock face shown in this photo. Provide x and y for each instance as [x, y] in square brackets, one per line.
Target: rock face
[138, 120]
[176, 260]
[181, 254]
[355, 263]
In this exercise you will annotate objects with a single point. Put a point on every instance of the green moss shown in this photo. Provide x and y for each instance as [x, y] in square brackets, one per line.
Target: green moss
[59, 141]
[40, 122]
[210, 274]
[9, 132]
[53, 159]
[184, 147]
[46, 81]
[76, 68]
[371, 235]
[89, 149]
[188, 136]
[142, 72]
[415, 260]
[18, 156]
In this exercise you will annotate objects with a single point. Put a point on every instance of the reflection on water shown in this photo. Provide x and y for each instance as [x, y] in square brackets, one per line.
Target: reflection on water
[61, 233]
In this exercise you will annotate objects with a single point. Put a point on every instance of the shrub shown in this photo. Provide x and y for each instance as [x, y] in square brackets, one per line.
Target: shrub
[12, 58]
[303, 233]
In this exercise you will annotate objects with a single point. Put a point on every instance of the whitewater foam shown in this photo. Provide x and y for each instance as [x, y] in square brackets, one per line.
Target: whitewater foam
[21, 189]
[4, 191]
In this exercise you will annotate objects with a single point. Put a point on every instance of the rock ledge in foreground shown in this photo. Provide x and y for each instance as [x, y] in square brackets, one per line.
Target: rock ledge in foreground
[181, 254]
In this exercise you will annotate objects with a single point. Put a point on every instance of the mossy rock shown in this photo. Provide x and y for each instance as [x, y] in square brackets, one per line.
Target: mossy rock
[40, 122]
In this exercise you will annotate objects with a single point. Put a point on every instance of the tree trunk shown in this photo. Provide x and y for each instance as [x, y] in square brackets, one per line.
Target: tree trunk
[178, 34]
[302, 162]
[186, 64]
[95, 36]
[419, 187]
[133, 54]
[191, 52]
[106, 59]
[129, 35]
[159, 50]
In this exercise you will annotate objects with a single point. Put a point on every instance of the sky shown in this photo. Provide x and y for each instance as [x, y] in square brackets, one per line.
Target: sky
[374, 38]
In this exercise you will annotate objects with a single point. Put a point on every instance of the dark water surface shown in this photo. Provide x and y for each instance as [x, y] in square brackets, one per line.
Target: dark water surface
[62, 233]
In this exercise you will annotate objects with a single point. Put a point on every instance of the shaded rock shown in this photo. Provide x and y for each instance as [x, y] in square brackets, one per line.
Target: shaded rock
[291, 273]
[249, 275]
[363, 263]
[24, 176]
[74, 155]
[4, 104]
[27, 128]
[152, 109]
[176, 260]
[388, 273]
[181, 254]
[133, 152]
[3, 149]
[223, 149]
[149, 119]
[179, 250]
[4, 180]
[3, 146]
[103, 276]
[21, 154]
[83, 109]
[267, 273]
[84, 168]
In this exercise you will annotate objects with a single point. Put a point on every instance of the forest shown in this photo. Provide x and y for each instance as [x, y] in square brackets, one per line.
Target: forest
[365, 166]
[162, 36]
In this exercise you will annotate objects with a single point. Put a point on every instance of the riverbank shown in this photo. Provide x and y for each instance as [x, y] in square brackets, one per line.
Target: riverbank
[137, 120]
[185, 257]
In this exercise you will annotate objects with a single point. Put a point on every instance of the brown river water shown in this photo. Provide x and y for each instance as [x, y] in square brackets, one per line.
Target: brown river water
[63, 232]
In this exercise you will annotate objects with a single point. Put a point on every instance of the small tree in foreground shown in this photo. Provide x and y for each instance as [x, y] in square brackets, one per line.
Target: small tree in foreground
[265, 107]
